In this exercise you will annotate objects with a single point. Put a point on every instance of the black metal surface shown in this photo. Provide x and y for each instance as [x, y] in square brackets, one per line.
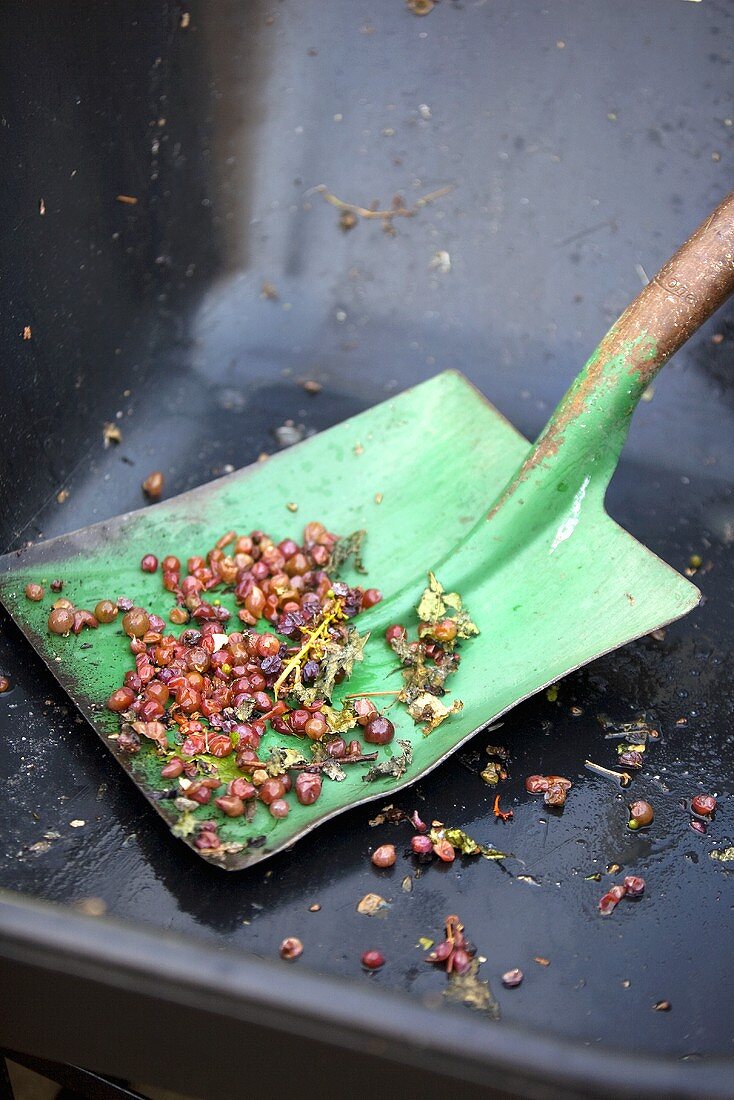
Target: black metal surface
[123, 995]
[6, 1088]
[77, 1083]
[584, 142]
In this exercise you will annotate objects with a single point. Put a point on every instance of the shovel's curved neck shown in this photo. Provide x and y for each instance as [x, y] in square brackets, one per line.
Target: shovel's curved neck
[583, 440]
[581, 444]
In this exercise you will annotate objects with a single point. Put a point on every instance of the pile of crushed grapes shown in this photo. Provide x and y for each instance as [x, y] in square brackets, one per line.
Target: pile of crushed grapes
[202, 699]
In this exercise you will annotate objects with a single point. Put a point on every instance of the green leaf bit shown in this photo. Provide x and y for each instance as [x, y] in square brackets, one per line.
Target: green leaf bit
[463, 843]
[723, 855]
[186, 824]
[435, 604]
[340, 721]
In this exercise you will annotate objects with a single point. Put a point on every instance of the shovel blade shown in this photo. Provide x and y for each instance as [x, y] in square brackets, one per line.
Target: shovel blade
[418, 473]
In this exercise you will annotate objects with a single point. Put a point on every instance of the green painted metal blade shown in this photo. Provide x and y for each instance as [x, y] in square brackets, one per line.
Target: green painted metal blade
[550, 579]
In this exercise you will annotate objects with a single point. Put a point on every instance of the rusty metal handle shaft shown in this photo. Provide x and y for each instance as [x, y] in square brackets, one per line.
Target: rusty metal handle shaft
[685, 292]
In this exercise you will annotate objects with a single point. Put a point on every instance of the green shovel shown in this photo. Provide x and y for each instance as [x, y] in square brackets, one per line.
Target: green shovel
[442, 482]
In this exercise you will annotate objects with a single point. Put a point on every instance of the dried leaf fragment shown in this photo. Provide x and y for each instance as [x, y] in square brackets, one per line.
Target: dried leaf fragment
[340, 721]
[429, 709]
[493, 773]
[499, 751]
[392, 814]
[331, 768]
[394, 767]
[470, 990]
[280, 760]
[345, 548]
[432, 606]
[40, 847]
[337, 658]
[639, 730]
[435, 604]
[371, 904]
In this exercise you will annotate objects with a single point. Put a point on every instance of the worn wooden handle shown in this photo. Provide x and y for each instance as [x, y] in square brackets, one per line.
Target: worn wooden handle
[582, 441]
[685, 292]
